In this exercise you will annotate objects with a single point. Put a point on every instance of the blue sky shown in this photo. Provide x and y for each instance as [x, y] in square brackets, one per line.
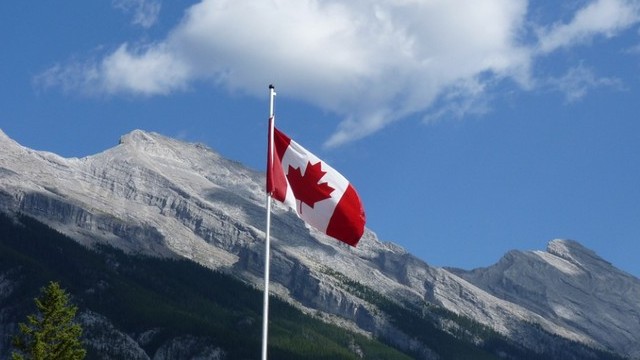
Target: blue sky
[468, 127]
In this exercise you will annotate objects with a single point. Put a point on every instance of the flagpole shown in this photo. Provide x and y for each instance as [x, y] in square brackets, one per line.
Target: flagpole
[267, 256]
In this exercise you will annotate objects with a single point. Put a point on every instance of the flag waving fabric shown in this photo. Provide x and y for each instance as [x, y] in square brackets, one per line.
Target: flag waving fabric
[320, 195]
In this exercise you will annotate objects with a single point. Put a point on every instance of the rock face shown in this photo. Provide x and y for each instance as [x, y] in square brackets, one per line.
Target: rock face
[572, 287]
[158, 196]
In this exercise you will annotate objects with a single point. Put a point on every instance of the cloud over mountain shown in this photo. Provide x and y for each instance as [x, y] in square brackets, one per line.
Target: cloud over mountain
[371, 62]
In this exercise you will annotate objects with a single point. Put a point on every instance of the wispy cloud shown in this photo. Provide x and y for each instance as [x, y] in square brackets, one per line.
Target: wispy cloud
[373, 62]
[599, 18]
[143, 71]
[579, 80]
[144, 12]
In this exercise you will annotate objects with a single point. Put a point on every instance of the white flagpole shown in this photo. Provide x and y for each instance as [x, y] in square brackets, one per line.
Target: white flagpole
[267, 256]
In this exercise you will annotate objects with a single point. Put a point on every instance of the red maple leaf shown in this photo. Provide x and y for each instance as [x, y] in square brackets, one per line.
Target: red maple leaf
[307, 188]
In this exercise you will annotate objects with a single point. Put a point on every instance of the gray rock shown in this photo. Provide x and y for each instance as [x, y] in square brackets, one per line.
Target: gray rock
[162, 197]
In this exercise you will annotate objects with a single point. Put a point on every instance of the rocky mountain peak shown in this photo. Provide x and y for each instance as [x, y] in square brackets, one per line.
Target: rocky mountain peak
[150, 144]
[3, 136]
[138, 137]
[159, 149]
[575, 253]
[7, 143]
[158, 196]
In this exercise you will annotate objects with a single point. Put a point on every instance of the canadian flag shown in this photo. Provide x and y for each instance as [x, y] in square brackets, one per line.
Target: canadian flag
[320, 195]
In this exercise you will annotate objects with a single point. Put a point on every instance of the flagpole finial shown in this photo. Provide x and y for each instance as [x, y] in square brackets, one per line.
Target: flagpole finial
[271, 86]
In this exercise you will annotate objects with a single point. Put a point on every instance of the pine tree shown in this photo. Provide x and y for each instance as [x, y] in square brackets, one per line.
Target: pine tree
[50, 334]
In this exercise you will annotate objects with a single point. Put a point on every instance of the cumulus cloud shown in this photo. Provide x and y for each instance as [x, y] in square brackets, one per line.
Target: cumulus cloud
[372, 62]
[143, 71]
[149, 71]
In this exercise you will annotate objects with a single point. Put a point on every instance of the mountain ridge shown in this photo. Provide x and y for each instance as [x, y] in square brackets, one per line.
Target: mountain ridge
[154, 195]
[517, 278]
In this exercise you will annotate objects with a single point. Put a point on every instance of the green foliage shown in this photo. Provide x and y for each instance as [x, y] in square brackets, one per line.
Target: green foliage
[172, 297]
[50, 334]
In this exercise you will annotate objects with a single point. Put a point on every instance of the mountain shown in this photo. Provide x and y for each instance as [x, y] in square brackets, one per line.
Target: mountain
[572, 287]
[155, 196]
[137, 307]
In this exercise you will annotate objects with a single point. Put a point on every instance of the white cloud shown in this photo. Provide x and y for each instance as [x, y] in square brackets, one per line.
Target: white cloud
[144, 71]
[149, 71]
[599, 18]
[465, 99]
[145, 12]
[371, 61]
[579, 80]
